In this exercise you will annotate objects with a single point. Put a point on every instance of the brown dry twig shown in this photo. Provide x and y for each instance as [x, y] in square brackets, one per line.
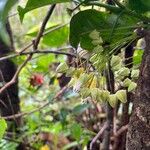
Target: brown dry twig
[119, 132]
[99, 134]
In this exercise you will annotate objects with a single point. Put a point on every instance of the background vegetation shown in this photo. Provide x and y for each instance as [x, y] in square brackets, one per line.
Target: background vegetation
[71, 76]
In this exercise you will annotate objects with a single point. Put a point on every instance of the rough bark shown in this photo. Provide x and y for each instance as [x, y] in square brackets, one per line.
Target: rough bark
[138, 137]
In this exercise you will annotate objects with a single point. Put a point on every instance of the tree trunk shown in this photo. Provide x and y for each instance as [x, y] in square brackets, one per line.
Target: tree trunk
[9, 99]
[138, 137]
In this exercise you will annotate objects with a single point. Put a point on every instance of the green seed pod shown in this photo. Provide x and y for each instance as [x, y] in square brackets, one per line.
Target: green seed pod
[122, 95]
[94, 35]
[62, 68]
[126, 82]
[113, 100]
[132, 86]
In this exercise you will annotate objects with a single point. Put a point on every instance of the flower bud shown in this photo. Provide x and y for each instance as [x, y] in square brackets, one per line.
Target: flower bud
[112, 100]
[62, 68]
[105, 95]
[124, 71]
[94, 35]
[132, 86]
[122, 95]
[126, 82]
[135, 73]
[115, 60]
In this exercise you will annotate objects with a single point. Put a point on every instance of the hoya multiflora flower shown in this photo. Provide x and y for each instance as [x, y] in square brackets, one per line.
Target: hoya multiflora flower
[95, 36]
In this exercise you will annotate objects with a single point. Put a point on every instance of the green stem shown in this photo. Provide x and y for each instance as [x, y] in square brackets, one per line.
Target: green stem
[109, 7]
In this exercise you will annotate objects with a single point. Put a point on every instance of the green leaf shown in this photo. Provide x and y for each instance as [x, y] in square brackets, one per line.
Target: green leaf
[42, 63]
[55, 37]
[137, 57]
[140, 6]
[85, 22]
[82, 24]
[80, 108]
[5, 6]
[56, 128]
[76, 131]
[33, 4]
[3, 127]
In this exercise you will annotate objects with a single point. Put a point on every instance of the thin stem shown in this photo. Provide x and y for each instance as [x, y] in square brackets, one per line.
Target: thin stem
[99, 134]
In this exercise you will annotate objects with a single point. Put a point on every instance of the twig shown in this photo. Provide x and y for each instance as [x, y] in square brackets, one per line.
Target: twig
[99, 134]
[119, 132]
[39, 51]
[37, 109]
[24, 49]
